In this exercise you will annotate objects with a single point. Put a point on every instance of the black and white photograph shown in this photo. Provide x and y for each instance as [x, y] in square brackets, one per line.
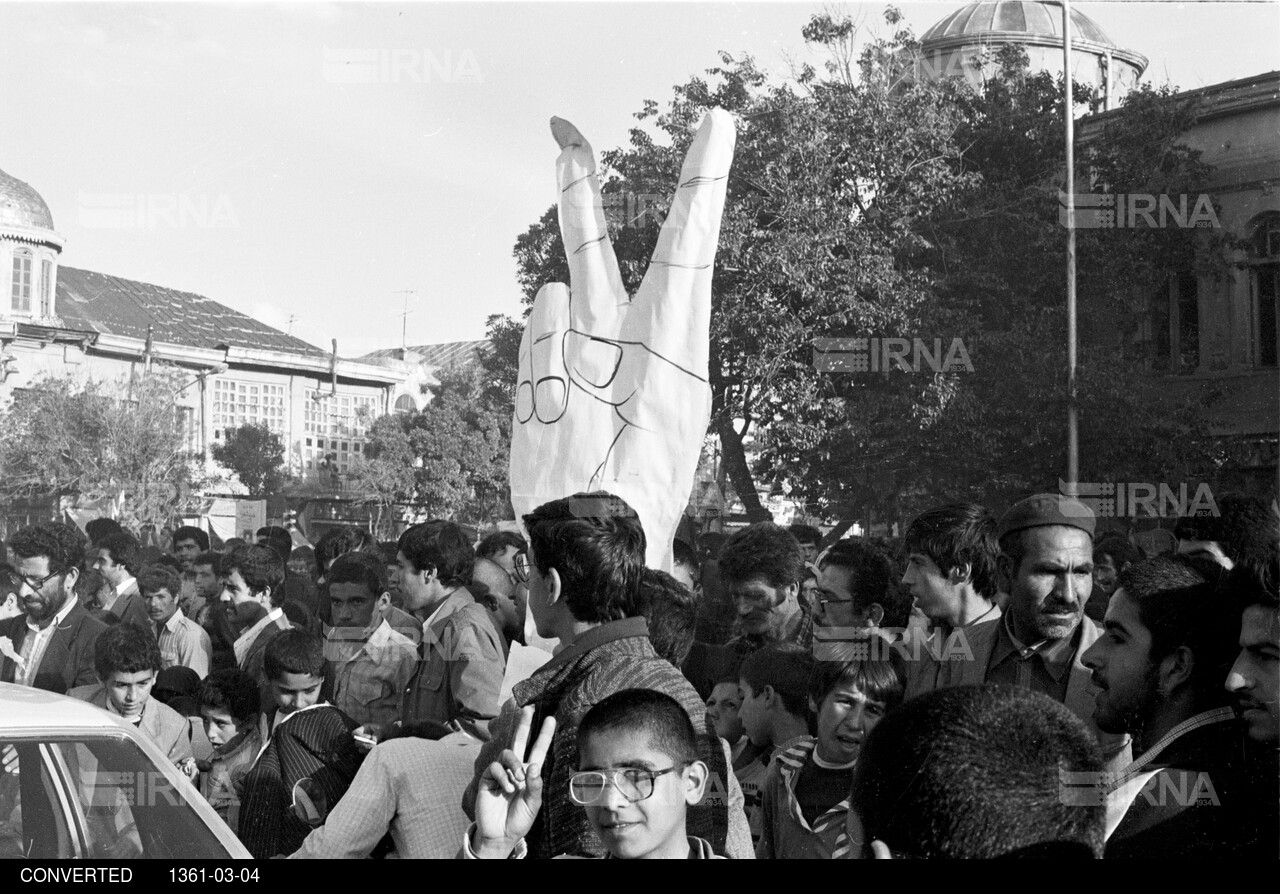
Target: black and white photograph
[636, 430]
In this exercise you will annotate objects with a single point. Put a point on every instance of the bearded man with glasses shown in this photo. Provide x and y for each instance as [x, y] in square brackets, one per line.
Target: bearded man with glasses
[50, 645]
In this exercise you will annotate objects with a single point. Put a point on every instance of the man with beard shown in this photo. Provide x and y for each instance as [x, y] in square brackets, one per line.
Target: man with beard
[1170, 638]
[50, 645]
[1046, 567]
[761, 568]
[1254, 683]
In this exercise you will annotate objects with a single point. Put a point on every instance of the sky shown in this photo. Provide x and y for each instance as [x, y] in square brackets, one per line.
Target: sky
[311, 164]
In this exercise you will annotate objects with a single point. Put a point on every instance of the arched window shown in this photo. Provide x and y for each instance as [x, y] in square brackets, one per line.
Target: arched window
[21, 291]
[1264, 287]
[405, 405]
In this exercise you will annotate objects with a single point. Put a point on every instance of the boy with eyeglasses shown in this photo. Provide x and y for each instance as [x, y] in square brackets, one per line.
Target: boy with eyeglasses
[638, 773]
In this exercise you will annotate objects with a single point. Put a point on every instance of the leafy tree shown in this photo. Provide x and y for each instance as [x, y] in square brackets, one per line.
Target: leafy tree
[119, 445]
[448, 460]
[256, 454]
[867, 202]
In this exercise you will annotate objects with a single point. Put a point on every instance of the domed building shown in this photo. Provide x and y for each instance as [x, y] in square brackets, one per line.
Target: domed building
[57, 320]
[29, 248]
[965, 43]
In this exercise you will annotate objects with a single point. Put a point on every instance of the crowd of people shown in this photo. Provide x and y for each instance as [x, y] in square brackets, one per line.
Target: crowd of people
[979, 687]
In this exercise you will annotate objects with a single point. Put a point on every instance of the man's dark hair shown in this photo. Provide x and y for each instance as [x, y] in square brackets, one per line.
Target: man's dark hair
[958, 534]
[231, 690]
[498, 541]
[763, 550]
[656, 716]
[191, 532]
[682, 554]
[1118, 547]
[360, 568]
[307, 555]
[596, 543]
[343, 539]
[389, 550]
[212, 559]
[1251, 585]
[124, 549]
[61, 544]
[784, 666]
[97, 528]
[277, 538]
[710, 544]
[260, 566]
[1178, 602]
[870, 574]
[976, 772]
[806, 534]
[441, 545]
[1246, 527]
[883, 679]
[293, 651]
[672, 614]
[154, 578]
[125, 649]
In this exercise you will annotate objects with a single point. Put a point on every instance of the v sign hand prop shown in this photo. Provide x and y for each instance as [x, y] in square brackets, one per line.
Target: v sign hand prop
[613, 391]
[510, 791]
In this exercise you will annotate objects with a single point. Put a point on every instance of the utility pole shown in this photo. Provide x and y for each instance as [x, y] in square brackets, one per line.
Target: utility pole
[1073, 418]
[404, 320]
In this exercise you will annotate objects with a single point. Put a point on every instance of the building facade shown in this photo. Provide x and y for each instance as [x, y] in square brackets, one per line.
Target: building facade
[57, 320]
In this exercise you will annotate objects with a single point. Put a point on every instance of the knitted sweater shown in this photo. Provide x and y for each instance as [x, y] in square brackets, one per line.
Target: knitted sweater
[604, 660]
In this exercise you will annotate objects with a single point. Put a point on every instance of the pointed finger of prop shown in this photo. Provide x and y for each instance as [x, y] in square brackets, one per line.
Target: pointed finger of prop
[686, 251]
[593, 267]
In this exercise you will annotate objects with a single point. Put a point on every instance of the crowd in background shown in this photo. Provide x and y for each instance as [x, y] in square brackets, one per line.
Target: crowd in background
[978, 687]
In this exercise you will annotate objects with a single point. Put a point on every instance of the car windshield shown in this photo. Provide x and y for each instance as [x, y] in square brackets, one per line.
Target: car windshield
[95, 797]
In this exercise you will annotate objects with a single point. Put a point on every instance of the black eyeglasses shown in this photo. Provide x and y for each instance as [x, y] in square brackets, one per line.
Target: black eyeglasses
[521, 563]
[633, 783]
[35, 583]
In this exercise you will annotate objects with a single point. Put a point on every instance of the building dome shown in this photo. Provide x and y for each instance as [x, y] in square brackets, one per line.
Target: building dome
[1020, 18]
[962, 43]
[22, 206]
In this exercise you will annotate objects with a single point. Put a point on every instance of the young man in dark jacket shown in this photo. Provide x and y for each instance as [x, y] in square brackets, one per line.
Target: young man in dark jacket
[584, 564]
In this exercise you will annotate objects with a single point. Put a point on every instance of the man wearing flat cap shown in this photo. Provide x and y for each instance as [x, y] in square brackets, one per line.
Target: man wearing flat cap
[1046, 567]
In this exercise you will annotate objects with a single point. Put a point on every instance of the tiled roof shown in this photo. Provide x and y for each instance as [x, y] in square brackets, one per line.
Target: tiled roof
[115, 306]
[433, 355]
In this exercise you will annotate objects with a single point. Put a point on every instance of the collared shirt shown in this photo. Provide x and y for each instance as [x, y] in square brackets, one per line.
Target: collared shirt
[367, 685]
[459, 676]
[246, 639]
[1043, 667]
[123, 586]
[36, 642]
[409, 787]
[184, 643]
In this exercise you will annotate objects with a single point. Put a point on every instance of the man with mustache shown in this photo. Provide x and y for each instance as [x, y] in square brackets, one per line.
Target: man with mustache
[1046, 567]
[1170, 638]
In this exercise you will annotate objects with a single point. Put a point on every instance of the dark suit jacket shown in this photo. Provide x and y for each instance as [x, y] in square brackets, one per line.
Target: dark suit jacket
[68, 659]
[130, 609]
[1204, 806]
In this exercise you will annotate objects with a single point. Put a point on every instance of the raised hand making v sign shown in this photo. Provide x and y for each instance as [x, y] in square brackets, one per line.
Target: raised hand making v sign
[510, 792]
[613, 392]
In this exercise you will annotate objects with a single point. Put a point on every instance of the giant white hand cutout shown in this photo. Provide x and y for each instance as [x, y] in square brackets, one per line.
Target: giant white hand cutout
[613, 390]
